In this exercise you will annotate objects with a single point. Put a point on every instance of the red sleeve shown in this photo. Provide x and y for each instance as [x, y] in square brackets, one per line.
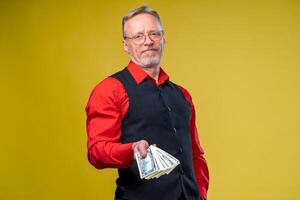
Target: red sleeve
[200, 164]
[107, 106]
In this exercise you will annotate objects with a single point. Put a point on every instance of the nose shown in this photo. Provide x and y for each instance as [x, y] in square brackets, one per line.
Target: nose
[148, 41]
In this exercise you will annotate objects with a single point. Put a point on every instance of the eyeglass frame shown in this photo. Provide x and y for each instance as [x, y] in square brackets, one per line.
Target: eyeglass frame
[161, 33]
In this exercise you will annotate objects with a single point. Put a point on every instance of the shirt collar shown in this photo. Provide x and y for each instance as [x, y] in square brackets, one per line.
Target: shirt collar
[139, 74]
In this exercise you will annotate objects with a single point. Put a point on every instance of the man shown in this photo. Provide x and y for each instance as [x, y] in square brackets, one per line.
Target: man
[140, 106]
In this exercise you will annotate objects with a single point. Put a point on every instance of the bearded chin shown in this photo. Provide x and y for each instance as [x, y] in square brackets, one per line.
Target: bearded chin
[151, 61]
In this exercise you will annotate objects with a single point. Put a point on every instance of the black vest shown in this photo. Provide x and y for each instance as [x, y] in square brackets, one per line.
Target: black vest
[160, 115]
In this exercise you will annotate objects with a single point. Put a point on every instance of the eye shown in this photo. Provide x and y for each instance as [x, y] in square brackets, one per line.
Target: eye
[155, 34]
[138, 37]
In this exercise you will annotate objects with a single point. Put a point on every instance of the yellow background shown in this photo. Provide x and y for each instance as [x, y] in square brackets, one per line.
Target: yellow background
[238, 59]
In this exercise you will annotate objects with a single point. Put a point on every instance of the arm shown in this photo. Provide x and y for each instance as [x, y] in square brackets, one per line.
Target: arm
[107, 106]
[199, 162]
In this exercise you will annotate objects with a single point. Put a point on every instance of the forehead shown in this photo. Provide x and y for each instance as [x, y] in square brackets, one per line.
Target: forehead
[141, 23]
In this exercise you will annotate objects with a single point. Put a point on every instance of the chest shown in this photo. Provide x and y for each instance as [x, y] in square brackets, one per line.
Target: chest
[153, 104]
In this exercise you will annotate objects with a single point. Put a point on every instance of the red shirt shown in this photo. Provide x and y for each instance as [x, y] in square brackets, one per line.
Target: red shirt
[108, 105]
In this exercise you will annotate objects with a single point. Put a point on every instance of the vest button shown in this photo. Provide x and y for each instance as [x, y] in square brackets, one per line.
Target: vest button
[175, 130]
[180, 150]
[169, 108]
[181, 171]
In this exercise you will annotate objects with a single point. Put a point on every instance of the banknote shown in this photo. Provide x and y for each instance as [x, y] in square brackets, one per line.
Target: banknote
[157, 163]
[146, 165]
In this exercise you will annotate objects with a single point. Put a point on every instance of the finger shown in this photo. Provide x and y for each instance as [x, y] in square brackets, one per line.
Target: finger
[144, 142]
[142, 148]
[134, 147]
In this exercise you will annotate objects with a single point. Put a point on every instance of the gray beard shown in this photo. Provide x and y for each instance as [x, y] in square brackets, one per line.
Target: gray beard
[150, 61]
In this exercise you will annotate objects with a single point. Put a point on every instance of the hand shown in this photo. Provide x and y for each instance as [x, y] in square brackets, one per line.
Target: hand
[140, 147]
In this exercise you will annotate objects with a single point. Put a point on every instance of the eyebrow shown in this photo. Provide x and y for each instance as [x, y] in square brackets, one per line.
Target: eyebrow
[141, 32]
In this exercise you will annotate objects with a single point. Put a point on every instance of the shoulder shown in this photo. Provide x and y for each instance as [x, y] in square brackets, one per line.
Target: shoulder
[108, 90]
[187, 96]
[185, 92]
[108, 85]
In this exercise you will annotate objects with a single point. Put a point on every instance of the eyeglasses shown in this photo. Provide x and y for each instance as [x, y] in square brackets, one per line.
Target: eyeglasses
[141, 38]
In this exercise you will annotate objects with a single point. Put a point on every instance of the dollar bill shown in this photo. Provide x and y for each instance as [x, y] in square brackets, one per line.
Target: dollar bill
[156, 163]
[146, 165]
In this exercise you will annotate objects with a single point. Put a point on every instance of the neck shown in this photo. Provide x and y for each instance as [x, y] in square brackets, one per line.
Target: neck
[153, 72]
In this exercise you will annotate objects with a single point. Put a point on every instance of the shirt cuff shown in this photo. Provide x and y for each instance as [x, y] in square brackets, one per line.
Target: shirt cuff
[126, 153]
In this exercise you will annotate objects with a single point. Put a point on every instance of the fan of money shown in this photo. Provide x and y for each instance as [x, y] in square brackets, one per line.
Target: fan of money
[156, 163]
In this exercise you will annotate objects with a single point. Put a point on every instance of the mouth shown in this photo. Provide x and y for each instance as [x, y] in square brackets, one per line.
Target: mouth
[148, 50]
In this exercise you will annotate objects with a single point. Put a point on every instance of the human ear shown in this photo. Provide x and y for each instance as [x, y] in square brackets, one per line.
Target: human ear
[125, 46]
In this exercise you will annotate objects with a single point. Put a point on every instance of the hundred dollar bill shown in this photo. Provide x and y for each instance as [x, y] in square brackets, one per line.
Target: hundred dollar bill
[147, 165]
[156, 163]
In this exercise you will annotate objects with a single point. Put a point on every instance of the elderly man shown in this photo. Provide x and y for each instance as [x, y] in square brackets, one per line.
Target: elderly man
[139, 106]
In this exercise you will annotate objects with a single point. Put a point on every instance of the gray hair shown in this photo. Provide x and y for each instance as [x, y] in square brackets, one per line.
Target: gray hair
[139, 10]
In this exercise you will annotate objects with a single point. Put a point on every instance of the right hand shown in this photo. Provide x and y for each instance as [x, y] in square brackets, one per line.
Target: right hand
[140, 147]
